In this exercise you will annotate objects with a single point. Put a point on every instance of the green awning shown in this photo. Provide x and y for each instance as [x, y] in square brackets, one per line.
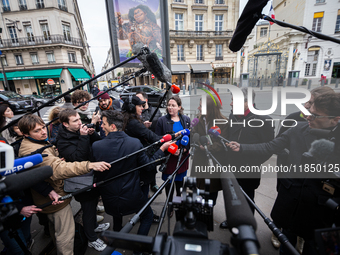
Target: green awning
[33, 74]
[79, 74]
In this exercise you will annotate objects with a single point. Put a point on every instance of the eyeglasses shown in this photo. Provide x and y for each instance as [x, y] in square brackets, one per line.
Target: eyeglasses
[82, 102]
[143, 105]
[313, 117]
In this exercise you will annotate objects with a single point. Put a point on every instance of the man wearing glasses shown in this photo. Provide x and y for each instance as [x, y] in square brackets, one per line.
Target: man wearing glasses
[299, 208]
[81, 96]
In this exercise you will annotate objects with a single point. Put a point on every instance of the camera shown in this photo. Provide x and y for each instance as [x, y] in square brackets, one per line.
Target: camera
[91, 125]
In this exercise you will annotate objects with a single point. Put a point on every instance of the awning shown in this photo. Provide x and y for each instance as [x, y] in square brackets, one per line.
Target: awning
[33, 74]
[201, 68]
[79, 74]
[177, 69]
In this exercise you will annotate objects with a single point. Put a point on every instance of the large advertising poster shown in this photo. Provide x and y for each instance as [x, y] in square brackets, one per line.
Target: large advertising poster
[135, 21]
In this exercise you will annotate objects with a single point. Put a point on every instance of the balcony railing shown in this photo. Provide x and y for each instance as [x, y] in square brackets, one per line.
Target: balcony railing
[40, 40]
[23, 7]
[206, 34]
[6, 9]
[62, 7]
[40, 5]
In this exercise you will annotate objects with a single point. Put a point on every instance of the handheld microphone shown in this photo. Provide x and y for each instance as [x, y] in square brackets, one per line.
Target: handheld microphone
[24, 163]
[175, 89]
[18, 182]
[247, 21]
[166, 138]
[185, 140]
[215, 133]
[183, 133]
[194, 122]
[217, 129]
[204, 142]
[173, 148]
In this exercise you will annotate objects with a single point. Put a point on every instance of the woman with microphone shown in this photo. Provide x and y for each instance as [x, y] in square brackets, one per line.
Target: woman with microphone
[172, 123]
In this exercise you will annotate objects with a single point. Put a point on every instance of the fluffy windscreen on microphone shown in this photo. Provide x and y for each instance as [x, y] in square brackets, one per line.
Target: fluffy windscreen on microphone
[322, 150]
[185, 140]
[247, 21]
[157, 68]
[194, 122]
[217, 129]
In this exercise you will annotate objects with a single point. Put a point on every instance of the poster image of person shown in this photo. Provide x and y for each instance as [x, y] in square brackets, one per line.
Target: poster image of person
[138, 23]
[327, 65]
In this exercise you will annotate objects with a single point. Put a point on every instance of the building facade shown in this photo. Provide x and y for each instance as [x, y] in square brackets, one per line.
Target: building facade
[43, 40]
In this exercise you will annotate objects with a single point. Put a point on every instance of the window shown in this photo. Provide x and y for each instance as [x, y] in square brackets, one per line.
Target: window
[35, 59]
[199, 2]
[200, 52]
[72, 57]
[320, 1]
[219, 52]
[147, 90]
[199, 22]
[312, 61]
[45, 31]
[219, 1]
[29, 33]
[180, 52]
[18, 59]
[50, 57]
[307, 69]
[22, 5]
[13, 34]
[5, 6]
[4, 60]
[263, 31]
[218, 22]
[62, 5]
[317, 21]
[66, 32]
[179, 1]
[337, 24]
[40, 4]
[179, 21]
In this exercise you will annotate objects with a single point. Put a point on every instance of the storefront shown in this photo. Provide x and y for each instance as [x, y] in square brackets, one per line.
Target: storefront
[200, 73]
[180, 74]
[222, 73]
[79, 76]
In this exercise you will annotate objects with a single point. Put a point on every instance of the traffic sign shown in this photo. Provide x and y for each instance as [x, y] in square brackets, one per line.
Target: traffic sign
[50, 82]
[152, 76]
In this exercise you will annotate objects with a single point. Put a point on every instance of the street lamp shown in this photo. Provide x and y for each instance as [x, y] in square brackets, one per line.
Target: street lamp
[3, 72]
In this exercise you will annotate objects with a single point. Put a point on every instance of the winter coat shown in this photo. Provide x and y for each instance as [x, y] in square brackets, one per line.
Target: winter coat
[165, 126]
[147, 113]
[121, 196]
[61, 171]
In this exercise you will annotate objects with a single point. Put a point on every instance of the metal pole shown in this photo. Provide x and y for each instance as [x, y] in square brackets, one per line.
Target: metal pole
[309, 84]
[336, 83]
[296, 83]
[6, 87]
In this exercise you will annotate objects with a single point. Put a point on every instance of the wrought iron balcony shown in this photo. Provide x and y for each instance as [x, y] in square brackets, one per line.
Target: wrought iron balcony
[6, 9]
[40, 40]
[201, 34]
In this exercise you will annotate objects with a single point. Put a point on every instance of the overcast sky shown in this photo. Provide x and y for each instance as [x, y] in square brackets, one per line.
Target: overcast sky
[96, 28]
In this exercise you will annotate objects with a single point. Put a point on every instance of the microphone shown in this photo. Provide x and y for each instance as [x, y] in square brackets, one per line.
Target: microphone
[183, 133]
[24, 163]
[185, 140]
[194, 122]
[236, 207]
[215, 133]
[217, 129]
[204, 141]
[173, 148]
[166, 138]
[196, 139]
[247, 21]
[18, 182]
[175, 89]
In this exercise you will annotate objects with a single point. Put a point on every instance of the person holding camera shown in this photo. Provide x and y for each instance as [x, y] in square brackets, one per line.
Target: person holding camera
[74, 142]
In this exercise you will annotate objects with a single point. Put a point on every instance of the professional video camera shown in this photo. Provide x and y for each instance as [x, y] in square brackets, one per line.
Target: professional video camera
[194, 218]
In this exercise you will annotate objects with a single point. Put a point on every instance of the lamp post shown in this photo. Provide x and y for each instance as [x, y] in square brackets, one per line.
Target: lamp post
[6, 87]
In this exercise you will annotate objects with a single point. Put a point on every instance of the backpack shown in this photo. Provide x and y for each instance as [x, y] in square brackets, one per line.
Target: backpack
[80, 240]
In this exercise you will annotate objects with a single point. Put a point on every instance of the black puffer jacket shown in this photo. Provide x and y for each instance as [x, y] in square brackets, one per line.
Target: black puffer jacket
[121, 196]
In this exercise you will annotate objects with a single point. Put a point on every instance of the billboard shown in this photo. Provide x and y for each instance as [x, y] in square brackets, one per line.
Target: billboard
[133, 21]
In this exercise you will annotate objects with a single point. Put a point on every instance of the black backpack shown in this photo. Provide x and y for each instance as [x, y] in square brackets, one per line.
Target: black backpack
[80, 240]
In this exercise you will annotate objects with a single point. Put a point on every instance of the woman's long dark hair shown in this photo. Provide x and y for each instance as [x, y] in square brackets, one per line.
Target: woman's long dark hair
[130, 116]
[213, 110]
[3, 108]
[178, 100]
[144, 8]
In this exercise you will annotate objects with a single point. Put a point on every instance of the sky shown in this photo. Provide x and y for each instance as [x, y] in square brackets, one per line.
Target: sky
[96, 28]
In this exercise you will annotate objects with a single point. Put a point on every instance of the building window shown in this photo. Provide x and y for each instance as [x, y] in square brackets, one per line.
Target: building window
[219, 52]
[13, 34]
[307, 69]
[218, 22]
[312, 61]
[200, 52]
[62, 5]
[22, 5]
[29, 33]
[18, 59]
[337, 24]
[4, 60]
[179, 21]
[40, 4]
[317, 21]
[66, 32]
[180, 52]
[50, 57]
[72, 57]
[199, 22]
[35, 59]
[320, 1]
[263, 31]
[219, 1]
[45, 31]
[179, 1]
[5, 6]
[199, 1]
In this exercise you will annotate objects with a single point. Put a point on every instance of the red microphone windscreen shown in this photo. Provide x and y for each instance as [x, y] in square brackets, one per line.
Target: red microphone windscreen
[173, 148]
[217, 129]
[166, 138]
[175, 89]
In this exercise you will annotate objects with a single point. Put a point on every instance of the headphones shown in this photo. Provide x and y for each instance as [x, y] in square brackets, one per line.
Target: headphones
[131, 107]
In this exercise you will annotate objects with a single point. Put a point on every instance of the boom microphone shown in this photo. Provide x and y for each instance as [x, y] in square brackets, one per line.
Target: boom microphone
[157, 68]
[18, 182]
[247, 21]
[24, 163]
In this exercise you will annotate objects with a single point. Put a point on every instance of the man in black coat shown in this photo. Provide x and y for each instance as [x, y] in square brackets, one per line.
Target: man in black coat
[74, 143]
[245, 132]
[299, 207]
[123, 196]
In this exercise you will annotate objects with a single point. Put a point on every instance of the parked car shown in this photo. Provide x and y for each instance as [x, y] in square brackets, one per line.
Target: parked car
[120, 88]
[39, 100]
[154, 94]
[17, 103]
